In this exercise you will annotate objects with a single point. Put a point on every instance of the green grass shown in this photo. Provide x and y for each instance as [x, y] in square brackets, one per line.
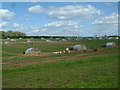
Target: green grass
[49, 56]
[98, 72]
[75, 72]
[51, 47]
[13, 49]
[7, 55]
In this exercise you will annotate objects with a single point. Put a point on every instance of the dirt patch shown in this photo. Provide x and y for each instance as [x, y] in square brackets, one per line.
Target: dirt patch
[41, 54]
[1, 63]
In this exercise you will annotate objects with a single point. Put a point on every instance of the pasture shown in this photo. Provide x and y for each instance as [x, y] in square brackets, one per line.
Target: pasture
[74, 70]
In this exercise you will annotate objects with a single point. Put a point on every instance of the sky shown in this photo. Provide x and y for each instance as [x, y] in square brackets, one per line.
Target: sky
[60, 18]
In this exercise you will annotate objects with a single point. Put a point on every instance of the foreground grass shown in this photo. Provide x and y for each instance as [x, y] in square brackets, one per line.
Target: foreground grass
[97, 72]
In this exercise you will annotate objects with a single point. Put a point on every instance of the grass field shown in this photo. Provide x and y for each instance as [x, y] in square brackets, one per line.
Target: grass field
[75, 70]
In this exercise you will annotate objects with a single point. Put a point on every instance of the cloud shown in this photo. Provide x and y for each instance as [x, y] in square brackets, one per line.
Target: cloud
[62, 28]
[26, 29]
[6, 14]
[16, 25]
[63, 24]
[107, 25]
[67, 12]
[36, 9]
[36, 30]
[3, 24]
[54, 28]
[70, 11]
[111, 19]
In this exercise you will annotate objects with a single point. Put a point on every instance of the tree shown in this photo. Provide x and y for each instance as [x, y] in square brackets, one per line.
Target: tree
[2, 34]
[11, 34]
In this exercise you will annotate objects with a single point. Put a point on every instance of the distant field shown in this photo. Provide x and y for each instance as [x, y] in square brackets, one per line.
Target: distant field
[75, 70]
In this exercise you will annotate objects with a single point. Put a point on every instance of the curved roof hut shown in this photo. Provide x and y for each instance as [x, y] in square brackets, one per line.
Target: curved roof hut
[68, 38]
[100, 38]
[48, 41]
[29, 41]
[20, 38]
[42, 38]
[63, 40]
[7, 43]
[13, 40]
[79, 47]
[32, 51]
[57, 38]
[110, 44]
[8, 38]
[110, 38]
[76, 39]
[117, 38]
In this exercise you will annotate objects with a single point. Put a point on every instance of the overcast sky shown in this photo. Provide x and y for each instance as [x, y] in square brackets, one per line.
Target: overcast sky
[63, 18]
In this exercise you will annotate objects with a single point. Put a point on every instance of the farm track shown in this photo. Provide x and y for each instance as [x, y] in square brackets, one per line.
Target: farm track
[21, 63]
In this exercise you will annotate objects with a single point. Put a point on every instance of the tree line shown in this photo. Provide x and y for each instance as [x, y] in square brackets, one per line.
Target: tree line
[11, 34]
